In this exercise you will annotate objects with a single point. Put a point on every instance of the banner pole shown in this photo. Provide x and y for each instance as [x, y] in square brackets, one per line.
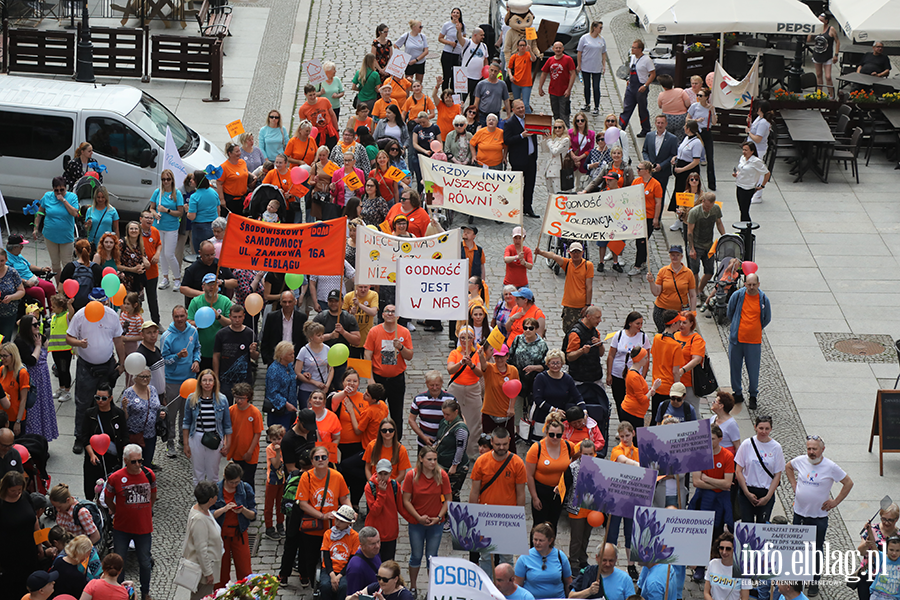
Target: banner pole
[668, 573]
[603, 547]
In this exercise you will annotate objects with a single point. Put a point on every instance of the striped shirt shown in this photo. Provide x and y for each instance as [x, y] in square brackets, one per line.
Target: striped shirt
[207, 419]
[429, 415]
[85, 521]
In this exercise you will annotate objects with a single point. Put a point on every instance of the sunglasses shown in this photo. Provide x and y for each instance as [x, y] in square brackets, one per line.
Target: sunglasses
[529, 328]
[701, 95]
[543, 563]
[580, 121]
[610, 120]
[726, 548]
[274, 117]
[139, 461]
[554, 435]
[142, 377]
[558, 127]
[320, 458]
[35, 325]
[394, 150]
[62, 189]
[815, 437]
[166, 179]
[384, 579]
[460, 125]
[387, 431]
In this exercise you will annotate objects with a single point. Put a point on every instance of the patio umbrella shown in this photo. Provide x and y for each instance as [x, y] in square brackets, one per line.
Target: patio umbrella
[678, 17]
[868, 20]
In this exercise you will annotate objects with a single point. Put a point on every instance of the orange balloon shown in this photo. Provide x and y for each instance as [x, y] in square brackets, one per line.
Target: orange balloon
[94, 311]
[595, 518]
[119, 298]
[187, 387]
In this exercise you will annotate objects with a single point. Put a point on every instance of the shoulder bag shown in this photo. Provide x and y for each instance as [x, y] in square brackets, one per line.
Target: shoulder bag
[675, 282]
[31, 397]
[308, 523]
[188, 573]
[704, 380]
[497, 474]
[759, 458]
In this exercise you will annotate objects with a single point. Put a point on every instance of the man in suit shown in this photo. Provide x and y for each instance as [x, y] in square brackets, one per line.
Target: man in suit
[660, 147]
[285, 324]
[523, 152]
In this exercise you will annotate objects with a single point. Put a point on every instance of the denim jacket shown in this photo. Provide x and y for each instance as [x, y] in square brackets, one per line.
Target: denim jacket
[243, 496]
[223, 417]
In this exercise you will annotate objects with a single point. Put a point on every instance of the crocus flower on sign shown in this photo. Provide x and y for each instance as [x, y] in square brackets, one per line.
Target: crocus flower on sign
[464, 530]
[647, 547]
[745, 538]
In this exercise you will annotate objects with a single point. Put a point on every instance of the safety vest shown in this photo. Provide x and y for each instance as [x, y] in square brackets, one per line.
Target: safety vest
[56, 342]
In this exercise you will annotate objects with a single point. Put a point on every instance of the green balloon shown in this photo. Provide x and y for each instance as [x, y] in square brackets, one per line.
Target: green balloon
[338, 355]
[110, 284]
[293, 281]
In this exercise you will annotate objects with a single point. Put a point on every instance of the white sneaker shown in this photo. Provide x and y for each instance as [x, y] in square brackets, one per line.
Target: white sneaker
[756, 199]
[176, 284]
[608, 255]
[411, 326]
[65, 396]
[634, 271]
[164, 284]
[57, 394]
[676, 226]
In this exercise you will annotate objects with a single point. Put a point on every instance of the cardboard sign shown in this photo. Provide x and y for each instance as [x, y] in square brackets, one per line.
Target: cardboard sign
[432, 289]
[764, 551]
[330, 168]
[496, 339]
[530, 33]
[676, 448]
[458, 578]
[488, 529]
[41, 535]
[614, 488]
[235, 128]
[361, 366]
[601, 217]
[485, 193]
[351, 180]
[377, 253]
[394, 174]
[314, 71]
[299, 190]
[460, 80]
[685, 199]
[457, 99]
[312, 249]
[671, 537]
[397, 65]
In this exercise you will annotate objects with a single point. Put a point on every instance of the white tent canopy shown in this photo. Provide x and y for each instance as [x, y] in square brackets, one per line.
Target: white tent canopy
[868, 20]
[679, 17]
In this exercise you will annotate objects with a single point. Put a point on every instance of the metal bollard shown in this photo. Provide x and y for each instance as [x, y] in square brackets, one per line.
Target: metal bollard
[745, 229]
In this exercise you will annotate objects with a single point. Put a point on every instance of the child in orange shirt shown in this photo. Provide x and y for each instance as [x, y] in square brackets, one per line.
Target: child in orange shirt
[626, 452]
[275, 477]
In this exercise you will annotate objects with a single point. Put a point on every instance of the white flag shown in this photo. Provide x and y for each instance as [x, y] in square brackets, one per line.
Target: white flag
[729, 93]
[172, 160]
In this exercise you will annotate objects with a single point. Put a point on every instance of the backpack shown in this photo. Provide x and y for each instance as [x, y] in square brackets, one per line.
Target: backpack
[94, 510]
[289, 498]
[85, 278]
[374, 489]
[684, 407]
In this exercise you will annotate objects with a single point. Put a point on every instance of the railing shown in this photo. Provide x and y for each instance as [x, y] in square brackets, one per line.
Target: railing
[46, 52]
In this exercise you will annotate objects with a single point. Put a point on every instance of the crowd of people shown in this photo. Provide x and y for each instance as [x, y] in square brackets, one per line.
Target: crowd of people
[333, 438]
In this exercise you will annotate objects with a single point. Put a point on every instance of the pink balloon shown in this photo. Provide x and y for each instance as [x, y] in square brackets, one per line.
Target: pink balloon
[70, 288]
[512, 388]
[314, 132]
[108, 271]
[100, 443]
[65, 597]
[485, 72]
[611, 136]
[749, 267]
[710, 78]
[298, 175]
[23, 452]
[436, 146]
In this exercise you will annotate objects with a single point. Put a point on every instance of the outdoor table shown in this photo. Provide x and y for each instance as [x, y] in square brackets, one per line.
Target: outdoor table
[893, 117]
[870, 80]
[808, 131]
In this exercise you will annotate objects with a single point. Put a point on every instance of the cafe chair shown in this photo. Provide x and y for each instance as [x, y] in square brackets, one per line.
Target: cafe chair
[773, 69]
[736, 63]
[847, 153]
[808, 80]
[840, 129]
[756, 42]
[882, 139]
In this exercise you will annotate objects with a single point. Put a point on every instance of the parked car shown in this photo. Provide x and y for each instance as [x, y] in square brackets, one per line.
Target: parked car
[570, 14]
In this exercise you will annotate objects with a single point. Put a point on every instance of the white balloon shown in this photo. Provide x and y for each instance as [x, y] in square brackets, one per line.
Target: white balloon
[135, 363]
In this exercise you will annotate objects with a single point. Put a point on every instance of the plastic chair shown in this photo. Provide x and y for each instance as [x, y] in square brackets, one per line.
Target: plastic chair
[847, 153]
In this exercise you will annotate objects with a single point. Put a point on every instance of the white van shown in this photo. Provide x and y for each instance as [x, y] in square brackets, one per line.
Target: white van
[43, 121]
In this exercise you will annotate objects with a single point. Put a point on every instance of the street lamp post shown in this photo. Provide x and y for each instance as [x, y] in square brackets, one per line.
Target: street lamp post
[84, 55]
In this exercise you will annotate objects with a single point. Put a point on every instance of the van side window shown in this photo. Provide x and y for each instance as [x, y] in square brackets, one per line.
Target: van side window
[35, 136]
[114, 139]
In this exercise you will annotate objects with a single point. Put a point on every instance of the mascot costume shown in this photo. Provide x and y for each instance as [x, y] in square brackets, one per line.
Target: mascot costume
[519, 18]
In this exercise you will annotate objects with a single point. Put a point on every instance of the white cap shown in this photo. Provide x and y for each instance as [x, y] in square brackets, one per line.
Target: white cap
[384, 466]
[518, 231]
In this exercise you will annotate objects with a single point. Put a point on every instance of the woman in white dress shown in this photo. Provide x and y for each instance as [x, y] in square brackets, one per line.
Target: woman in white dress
[556, 145]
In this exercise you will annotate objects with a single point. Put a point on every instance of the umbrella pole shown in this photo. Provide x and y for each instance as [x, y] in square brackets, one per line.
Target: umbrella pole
[722, 48]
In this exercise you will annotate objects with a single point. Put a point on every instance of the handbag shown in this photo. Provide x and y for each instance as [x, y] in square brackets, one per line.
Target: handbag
[310, 523]
[162, 426]
[188, 574]
[567, 174]
[704, 380]
[211, 440]
[138, 438]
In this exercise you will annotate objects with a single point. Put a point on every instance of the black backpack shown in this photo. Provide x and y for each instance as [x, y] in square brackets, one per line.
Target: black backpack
[374, 488]
[289, 498]
[685, 407]
[85, 278]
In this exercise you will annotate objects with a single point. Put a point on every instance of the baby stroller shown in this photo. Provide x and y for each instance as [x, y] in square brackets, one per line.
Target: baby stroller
[260, 198]
[560, 246]
[729, 253]
[36, 465]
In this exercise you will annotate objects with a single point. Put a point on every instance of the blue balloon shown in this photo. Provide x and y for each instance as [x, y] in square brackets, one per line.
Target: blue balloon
[204, 317]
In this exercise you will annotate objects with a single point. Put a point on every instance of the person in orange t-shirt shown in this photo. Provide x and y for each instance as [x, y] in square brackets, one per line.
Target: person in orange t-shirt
[247, 427]
[389, 346]
[386, 100]
[235, 179]
[487, 145]
[694, 349]
[637, 392]
[302, 147]
[318, 111]
[465, 384]
[338, 544]
[362, 118]
[233, 510]
[387, 446]
[749, 312]
[498, 410]
[653, 195]
[525, 309]
[545, 463]
[366, 425]
[351, 405]
[399, 89]
[712, 482]
[578, 291]
[509, 488]
[320, 492]
[519, 67]
[675, 287]
[627, 453]
[668, 357]
[446, 108]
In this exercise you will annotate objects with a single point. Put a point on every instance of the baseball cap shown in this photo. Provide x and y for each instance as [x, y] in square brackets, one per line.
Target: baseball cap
[575, 247]
[15, 240]
[518, 231]
[39, 501]
[676, 248]
[209, 278]
[524, 292]
[306, 416]
[503, 351]
[470, 227]
[678, 389]
[334, 295]
[148, 325]
[345, 514]
[97, 294]
[384, 466]
[39, 579]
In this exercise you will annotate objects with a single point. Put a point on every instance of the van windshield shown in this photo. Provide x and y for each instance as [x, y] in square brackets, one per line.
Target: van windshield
[152, 117]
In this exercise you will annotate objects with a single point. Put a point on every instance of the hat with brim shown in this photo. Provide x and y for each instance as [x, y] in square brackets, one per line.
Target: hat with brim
[345, 514]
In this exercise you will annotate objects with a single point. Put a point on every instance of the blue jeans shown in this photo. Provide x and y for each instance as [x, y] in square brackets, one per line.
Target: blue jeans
[591, 80]
[523, 94]
[327, 592]
[200, 232]
[142, 543]
[424, 537]
[821, 525]
[738, 354]
[614, 530]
